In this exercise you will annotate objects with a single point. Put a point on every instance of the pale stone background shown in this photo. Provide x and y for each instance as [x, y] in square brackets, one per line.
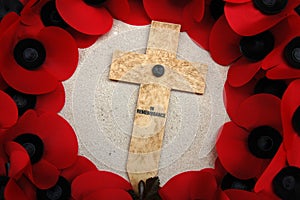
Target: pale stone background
[102, 111]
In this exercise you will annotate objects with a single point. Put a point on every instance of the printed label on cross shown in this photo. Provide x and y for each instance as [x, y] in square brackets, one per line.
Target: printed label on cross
[158, 72]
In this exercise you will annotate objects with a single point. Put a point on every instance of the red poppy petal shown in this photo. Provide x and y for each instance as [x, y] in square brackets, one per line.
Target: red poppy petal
[190, 185]
[290, 102]
[241, 194]
[81, 166]
[259, 110]
[285, 31]
[237, 1]
[83, 40]
[120, 9]
[219, 170]
[200, 32]
[242, 72]
[28, 123]
[193, 13]
[164, 10]
[51, 102]
[28, 188]
[44, 175]
[9, 111]
[29, 5]
[292, 150]
[91, 20]
[97, 180]
[246, 20]
[234, 153]
[62, 52]
[3, 84]
[273, 59]
[224, 43]
[234, 96]
[109, 194]
[198, 9]
[18, 157]
[283, 71]
[2, 163]
[32, 82]
[137, 15]
[7, 21]
[13, 191]
[56, 130]
[264, 183]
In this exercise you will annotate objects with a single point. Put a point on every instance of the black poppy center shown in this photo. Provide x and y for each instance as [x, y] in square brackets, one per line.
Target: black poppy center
[3, 182]
[7, 6]
[256, 47]
[60, 191]
[94, 3]
[231, 182]
[292, 53]
[297, 9]
[33, 145]
[30, 54]
[50, 15]
[296, 121]
[289, 182]
[274, 87]
[270, 7]
[23, 101]
[264, 141]
[216, 8]
[286, 183]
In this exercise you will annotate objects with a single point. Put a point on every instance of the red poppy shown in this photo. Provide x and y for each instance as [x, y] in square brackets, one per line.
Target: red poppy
[245, 195]
[136, 16]
[175, 11]
[245, 53]
[200, 31]
[35, 63]
[91, 17]
[9, 111]
[49, 102]
[234, 96]
[246, 148]
[291, 121]
[191, 185]
[283, 62]
[50, 143]
[13, 162]
[39, 14]
[209, 184]
[234, 188]
[251, 17]
[100, 185]
[62, 188]
[280, 179]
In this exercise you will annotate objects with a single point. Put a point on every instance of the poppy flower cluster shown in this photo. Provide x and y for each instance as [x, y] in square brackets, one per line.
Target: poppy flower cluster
[257, 150]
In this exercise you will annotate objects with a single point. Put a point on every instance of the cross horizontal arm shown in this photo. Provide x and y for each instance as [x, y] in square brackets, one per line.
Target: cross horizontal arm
[178, 74]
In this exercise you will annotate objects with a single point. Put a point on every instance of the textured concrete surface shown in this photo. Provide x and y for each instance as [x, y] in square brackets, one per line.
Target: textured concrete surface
[102, 111]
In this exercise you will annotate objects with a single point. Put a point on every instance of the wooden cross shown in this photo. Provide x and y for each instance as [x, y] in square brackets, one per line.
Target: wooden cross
[158, 71]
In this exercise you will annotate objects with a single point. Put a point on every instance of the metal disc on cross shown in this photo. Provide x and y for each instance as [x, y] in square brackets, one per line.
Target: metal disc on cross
[157, 72]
